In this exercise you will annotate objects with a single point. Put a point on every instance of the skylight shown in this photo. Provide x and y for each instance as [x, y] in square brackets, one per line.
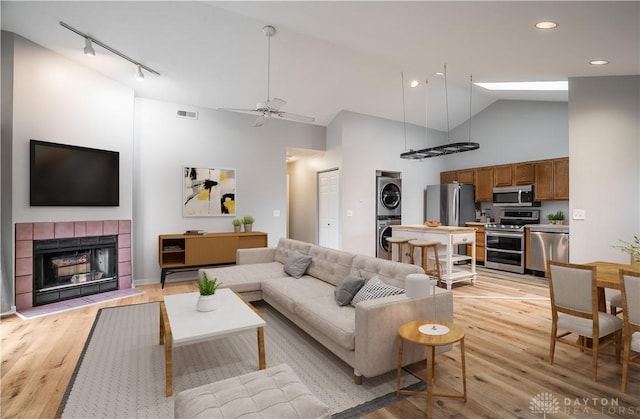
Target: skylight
[525, 85]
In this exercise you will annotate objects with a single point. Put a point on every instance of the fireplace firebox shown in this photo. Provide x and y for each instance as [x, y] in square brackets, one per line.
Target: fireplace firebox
[74, 267]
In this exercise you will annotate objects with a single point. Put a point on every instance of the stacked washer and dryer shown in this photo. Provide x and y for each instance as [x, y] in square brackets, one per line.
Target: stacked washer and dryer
[388, 209]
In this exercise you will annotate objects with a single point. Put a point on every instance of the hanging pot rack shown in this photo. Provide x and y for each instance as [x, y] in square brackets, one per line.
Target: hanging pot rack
[449, 148]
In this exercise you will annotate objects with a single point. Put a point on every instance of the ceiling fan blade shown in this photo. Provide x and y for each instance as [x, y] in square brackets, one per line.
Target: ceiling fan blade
[295, 117]
[276, 103]
[239, 110]
[259, 121]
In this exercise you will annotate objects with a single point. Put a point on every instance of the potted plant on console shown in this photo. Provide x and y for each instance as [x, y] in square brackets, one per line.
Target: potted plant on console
[237, 224]
[248, 223]
[207, 287]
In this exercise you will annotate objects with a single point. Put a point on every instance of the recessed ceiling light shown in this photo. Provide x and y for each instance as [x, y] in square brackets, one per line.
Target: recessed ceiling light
[439, 73]
[598, 62]
[526, 85]
[415, 83]
[546, 24]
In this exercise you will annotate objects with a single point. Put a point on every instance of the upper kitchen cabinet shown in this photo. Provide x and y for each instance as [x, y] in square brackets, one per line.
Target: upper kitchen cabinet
[561, 178]
[551, 179]
[484, 184]
[523, 173]
[503, 175]
[461, 176]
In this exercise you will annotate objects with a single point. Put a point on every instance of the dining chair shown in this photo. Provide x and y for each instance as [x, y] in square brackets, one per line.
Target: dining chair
[630, 286]
[574, 307]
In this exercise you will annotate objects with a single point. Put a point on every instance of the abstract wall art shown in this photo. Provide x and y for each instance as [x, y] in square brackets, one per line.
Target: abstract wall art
[208, 192]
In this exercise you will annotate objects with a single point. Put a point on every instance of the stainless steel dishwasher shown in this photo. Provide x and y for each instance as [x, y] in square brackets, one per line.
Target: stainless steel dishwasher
[547, 244]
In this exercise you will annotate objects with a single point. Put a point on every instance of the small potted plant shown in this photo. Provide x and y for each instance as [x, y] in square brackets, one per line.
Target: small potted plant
[207, 288]
[237, 223]
[633, 249]
[557, 218]
[248, 223]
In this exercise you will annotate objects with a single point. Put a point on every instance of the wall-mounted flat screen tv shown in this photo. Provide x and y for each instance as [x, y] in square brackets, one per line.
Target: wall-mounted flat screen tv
[66, 175]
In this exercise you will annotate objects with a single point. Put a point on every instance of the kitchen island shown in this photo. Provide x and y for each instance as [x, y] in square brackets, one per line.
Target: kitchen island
[449, 239]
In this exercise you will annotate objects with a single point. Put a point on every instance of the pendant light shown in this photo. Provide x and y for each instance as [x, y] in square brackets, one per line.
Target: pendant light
[449, 148]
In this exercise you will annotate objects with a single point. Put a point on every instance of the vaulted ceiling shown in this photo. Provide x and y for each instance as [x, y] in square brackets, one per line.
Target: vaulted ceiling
[332, 56]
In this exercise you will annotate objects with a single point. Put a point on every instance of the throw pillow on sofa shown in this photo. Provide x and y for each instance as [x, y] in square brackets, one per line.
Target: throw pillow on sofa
[345, 292]
[373, 289]
[297, 264]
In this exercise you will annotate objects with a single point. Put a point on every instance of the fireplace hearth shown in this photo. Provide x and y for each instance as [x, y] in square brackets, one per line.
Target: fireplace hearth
[74, 267]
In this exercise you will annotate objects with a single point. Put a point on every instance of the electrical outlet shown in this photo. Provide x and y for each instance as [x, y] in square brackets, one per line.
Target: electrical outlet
[579, 214]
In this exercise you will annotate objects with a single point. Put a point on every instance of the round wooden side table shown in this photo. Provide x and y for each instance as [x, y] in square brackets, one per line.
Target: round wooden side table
[410, 332]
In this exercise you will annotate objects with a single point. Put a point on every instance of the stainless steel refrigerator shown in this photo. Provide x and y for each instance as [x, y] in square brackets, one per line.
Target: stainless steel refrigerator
[452, 204]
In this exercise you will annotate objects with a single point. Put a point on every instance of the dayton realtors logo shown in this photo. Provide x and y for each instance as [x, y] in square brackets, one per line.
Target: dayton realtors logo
[544, 403]
[547, 403]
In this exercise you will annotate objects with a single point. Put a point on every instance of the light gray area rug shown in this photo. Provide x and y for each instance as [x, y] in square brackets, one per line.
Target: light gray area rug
[121, 371]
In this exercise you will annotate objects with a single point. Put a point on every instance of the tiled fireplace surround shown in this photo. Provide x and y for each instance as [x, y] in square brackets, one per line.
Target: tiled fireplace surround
[26, 233]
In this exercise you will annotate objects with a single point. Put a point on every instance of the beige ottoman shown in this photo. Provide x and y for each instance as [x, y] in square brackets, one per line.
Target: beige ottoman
[275, 392]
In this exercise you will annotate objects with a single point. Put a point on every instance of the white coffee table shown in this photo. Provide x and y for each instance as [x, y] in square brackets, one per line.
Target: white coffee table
[181, 324]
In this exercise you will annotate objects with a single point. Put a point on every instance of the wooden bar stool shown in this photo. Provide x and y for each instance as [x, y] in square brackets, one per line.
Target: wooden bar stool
[398, 241]
[424, 245]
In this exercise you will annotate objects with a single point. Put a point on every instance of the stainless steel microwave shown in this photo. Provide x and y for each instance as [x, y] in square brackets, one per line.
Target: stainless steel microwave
[514, 196]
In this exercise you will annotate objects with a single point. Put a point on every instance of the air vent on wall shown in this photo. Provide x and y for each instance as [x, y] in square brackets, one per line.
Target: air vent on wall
[187, 114]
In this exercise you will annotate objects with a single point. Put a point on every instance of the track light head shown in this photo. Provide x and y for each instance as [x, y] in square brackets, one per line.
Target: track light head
[88, 47]
[139, 73]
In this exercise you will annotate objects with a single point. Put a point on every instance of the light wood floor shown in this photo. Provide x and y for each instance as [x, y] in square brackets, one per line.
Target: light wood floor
[507, 323]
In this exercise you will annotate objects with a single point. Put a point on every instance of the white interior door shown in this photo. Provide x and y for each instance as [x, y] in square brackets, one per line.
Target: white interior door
[328, 208]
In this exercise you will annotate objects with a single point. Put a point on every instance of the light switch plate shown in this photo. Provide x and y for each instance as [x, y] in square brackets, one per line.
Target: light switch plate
[579, 214]
[276, 213]
[349, 213]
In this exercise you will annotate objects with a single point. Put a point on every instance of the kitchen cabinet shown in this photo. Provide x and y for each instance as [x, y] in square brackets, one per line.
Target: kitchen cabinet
[523, 173]
[551, 179]
[503, 175]
[465, 176]
[479, 241]
[484, 184]
[561, 178]
[461, 176]
[543, 180]
[447, 177]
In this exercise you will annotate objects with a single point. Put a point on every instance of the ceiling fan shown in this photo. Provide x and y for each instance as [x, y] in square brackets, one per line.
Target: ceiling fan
[271, 107]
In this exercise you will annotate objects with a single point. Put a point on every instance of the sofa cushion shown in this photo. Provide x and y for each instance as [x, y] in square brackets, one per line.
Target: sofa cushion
[287, 246]
[335, 322]
[329, 265]
[392, 273]
[374, 289]
[286, 292]
[297, 264]
[348, 288]
[245, 278]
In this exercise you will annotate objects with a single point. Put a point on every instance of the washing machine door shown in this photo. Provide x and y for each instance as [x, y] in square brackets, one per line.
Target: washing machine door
[384, 231]
[390, 196]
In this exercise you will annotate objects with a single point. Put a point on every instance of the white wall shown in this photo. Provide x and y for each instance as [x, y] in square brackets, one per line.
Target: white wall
[217, 139]
[368, 144]
[512, 131]
[57, 100]
[604, 171]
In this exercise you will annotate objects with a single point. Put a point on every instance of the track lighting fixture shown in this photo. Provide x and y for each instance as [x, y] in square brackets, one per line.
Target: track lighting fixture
[88, 50]
[139, 73]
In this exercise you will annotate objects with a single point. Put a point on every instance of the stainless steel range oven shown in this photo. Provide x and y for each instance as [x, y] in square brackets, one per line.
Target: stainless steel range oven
[504, 241]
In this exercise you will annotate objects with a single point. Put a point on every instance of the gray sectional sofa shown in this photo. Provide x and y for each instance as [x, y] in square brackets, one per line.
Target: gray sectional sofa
[365, 335]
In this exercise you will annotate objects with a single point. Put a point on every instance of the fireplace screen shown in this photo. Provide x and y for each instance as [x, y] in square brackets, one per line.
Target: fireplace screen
[69, 268]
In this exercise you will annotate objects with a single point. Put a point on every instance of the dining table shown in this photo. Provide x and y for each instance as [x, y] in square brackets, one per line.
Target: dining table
[608, 276]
